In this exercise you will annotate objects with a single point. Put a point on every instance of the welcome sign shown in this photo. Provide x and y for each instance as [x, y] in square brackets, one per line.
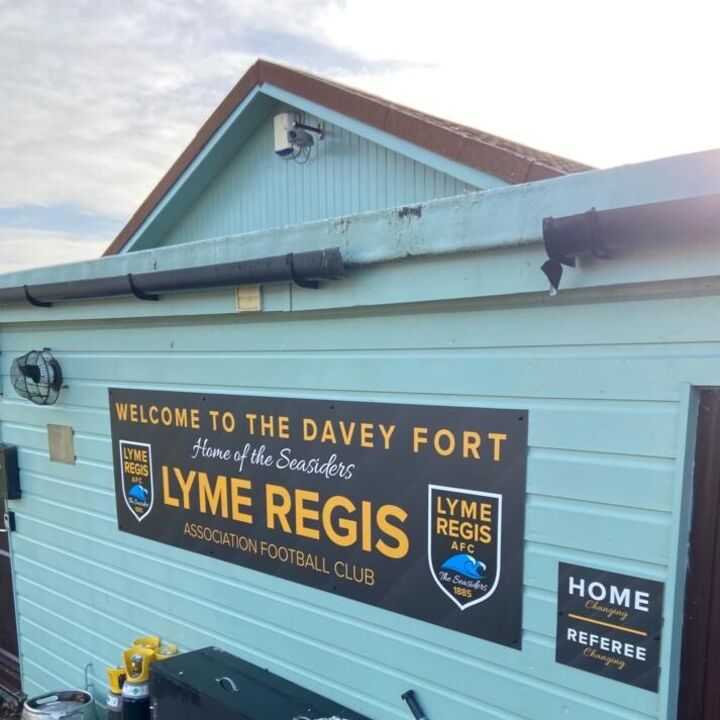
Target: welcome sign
[414, 509]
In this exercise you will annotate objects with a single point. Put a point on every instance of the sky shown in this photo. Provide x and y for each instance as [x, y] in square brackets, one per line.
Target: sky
[98, 98]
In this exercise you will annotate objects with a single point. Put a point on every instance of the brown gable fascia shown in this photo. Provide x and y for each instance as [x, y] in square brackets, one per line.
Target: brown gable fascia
[467, 146]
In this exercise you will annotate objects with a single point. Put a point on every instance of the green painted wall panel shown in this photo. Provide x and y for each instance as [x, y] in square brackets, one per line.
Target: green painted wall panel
[229, 603]
[345, 175]
[469, 325]
[601, 479]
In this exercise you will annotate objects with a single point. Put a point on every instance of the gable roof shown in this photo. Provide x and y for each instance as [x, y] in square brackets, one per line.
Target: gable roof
[494, 155]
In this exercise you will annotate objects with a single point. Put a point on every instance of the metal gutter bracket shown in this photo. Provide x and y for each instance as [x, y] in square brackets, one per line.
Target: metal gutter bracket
[568, 238]
[33, 301]
[137, 292]
[298, 279]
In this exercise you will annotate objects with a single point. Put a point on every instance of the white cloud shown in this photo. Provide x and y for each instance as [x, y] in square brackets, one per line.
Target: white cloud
[96, 103]
[606, 83]
[22, 249]
[99, 97]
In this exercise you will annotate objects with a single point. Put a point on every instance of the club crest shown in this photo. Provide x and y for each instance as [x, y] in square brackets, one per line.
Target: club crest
[137, 477]
[464, 541]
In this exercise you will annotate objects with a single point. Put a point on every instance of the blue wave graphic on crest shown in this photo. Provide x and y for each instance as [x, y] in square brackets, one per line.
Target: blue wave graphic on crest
[138, 492]
[466, 565]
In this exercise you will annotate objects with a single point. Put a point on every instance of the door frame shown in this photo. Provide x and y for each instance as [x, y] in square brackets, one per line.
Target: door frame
[699, 697]
[10, 675]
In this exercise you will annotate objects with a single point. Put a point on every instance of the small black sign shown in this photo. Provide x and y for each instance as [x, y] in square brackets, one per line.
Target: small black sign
[609, 624]
[412, 508]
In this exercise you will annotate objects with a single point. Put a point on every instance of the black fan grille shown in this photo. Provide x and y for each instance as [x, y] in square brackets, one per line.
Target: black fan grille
[36, 376]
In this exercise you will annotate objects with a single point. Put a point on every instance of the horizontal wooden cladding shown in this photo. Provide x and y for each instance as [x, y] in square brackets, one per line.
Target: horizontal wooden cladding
[348, 175]
[463, 325]
[508, 374]
[630, 482]
[261, 622]
[603, 403]
[627, 534]
[568, 352]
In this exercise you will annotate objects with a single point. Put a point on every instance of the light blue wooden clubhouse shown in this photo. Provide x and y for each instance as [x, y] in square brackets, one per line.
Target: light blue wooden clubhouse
[444, 302]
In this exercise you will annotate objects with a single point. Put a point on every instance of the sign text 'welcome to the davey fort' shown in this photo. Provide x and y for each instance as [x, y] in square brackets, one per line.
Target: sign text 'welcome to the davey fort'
[411, 508]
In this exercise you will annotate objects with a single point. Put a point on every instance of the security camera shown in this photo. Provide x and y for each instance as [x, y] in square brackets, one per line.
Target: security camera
[293, 139]
[300, 138]
[283, 124]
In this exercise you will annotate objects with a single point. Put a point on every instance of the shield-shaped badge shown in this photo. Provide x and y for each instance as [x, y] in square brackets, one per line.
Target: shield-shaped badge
[137, 477]
[464, 541]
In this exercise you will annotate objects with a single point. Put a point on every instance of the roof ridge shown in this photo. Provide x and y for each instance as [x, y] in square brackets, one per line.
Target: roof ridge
[492, 154]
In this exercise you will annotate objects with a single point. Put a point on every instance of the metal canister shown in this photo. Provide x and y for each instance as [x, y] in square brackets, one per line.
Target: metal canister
[113, 705]
[135, 701]
[136, 690]
[60, 705]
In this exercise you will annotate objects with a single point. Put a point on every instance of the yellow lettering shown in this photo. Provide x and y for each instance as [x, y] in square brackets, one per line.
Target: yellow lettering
[238, 500]
[419, 438]
[215, 499]
[471, 444]
[310, 429]
[277, 510]
[303, 513]
[449, 447]
[387, 433]
[347, 432]
[366, 526]
[366, 435]
[167, 498]
[328, 434]
[349, 536]
[185, 485]
[402, 543]
[497, 438]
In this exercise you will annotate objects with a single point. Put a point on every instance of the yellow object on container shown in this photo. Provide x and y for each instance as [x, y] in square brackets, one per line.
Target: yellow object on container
[116, 678]
[147, 641]
[165, 651]
[137, 664]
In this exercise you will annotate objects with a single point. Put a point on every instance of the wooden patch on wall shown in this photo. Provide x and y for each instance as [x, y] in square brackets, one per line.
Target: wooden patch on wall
[61, 445]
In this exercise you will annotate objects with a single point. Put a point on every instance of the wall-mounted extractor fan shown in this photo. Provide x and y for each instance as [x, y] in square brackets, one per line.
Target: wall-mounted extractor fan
[36, 376]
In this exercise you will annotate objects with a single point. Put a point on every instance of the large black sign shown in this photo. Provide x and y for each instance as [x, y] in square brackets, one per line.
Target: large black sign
[609, 624]
[415, 509]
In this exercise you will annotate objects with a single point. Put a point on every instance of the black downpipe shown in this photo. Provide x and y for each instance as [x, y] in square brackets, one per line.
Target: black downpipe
[601, 233]
[304, 269]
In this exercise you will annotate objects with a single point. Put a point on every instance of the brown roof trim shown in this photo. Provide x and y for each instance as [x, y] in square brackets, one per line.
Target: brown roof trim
[496, 156]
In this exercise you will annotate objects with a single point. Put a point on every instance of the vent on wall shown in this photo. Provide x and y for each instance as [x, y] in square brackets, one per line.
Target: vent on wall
[37, 376]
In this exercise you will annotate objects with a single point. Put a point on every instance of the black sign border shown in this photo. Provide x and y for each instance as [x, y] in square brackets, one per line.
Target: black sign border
[500, 619]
